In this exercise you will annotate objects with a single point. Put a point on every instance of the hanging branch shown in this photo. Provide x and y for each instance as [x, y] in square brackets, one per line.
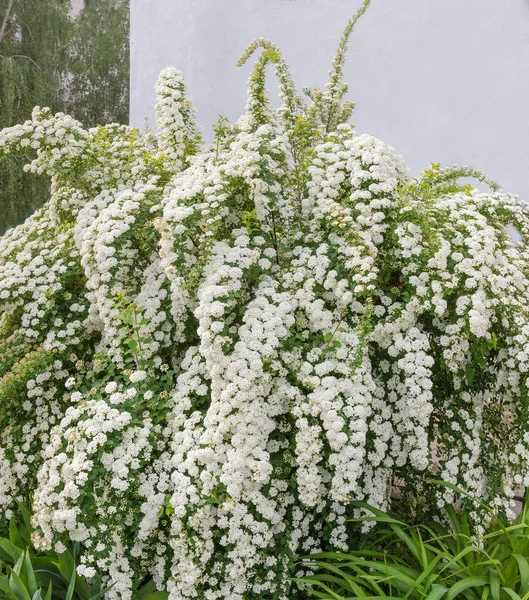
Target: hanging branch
[6, 19]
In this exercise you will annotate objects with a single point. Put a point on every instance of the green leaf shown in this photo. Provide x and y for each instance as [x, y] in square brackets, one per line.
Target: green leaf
[18, 565]
[148, 588]
[492, 342]
[437, 592]
[17, 587]
[15, 536]
[26, 516]
[495, 582]
[458, 490]
[10, 549]
[71, 586]
[480, 360]
[100, 594]
[465, 584]
[510, 592]
[66, 565]
[6, 589]
[30, 574]
[523, 567]
[328, 591]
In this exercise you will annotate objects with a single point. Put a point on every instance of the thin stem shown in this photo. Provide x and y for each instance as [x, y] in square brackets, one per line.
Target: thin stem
[138, 339]
[296, 168]
[274, 237]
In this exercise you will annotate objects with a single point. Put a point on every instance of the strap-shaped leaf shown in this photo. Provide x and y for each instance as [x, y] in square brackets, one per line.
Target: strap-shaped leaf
[465, 584]
[33, 588]
[17, 587]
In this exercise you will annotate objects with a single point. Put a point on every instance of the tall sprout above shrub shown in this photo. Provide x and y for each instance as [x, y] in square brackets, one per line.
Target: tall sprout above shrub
[208, 351]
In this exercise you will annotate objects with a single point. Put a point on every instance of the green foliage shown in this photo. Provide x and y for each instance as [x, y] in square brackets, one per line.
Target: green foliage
[29, 575]
[442, 560]
[97, 89]
[13, 390]
[33, 59]
[132, 322]
[48, 58]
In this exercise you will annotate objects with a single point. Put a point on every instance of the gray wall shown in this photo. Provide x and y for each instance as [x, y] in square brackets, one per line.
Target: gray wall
[441, 80]
[76, 7]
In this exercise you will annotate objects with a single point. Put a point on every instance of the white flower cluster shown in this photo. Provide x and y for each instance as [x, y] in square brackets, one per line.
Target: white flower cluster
[208, 352]
[177, 131]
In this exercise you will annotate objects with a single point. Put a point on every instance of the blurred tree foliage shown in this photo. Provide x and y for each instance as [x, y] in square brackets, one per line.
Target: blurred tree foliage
[98, 86]
[48, 58]
[33, 58]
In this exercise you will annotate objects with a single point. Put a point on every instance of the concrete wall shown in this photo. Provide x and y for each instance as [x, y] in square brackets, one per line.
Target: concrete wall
[441, 80]
[77, 7]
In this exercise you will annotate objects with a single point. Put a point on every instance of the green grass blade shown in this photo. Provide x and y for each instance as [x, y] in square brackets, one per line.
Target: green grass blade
[456, 561]
[14, 535]
[6, 588]
[329, 593]
[18, 565]
[437, 592]
[148, 588]
[71, 585]
[464, 584]
[30, 574]
[458, 490]
[495, 584]
[523, 567]
[101, 593]
[10, 549]
[26, 516]
[17, 587]
[511, 593]
[65, 564]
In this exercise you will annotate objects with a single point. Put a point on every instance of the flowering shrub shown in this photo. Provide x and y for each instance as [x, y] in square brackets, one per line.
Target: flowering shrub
[208, 351]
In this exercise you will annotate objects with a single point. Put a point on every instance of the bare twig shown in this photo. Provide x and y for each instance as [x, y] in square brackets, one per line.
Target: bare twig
[19, 56]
